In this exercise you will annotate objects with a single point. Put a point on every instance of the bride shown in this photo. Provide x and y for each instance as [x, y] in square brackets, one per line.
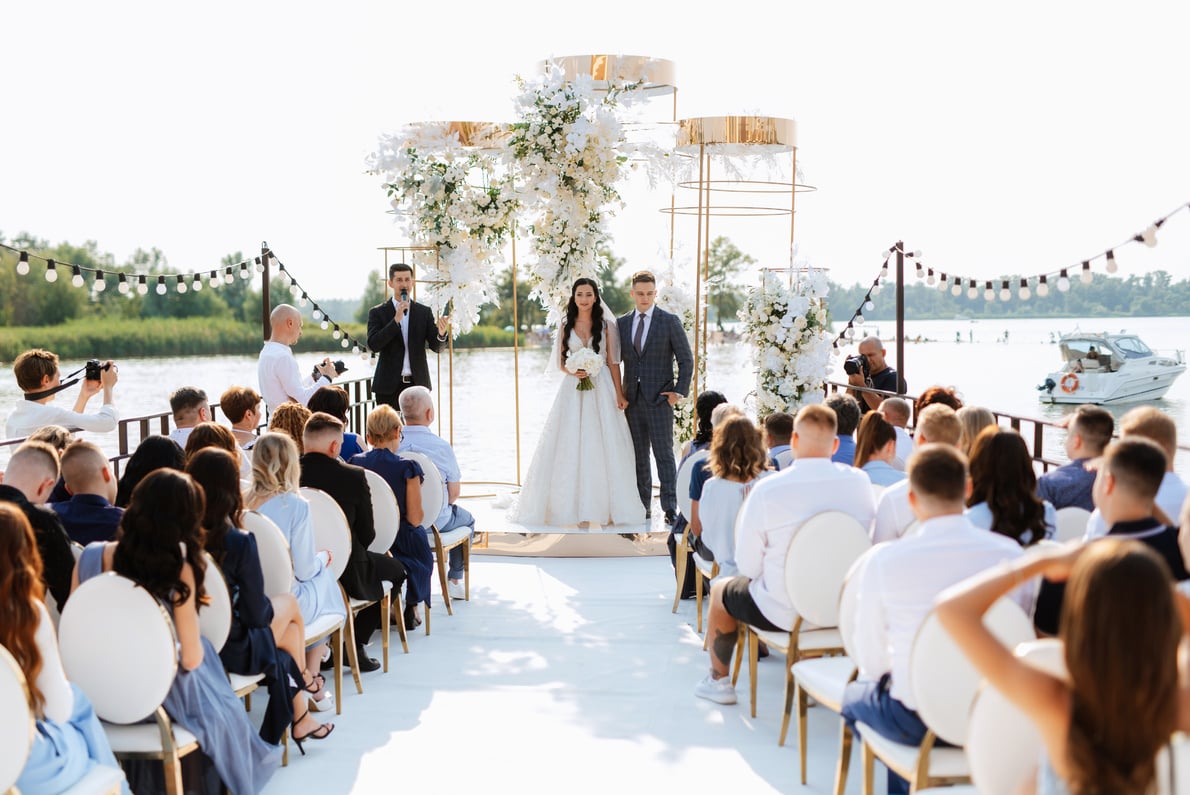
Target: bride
[584, 468]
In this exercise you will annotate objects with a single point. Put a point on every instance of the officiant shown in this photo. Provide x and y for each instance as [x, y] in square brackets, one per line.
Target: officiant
[400, 330]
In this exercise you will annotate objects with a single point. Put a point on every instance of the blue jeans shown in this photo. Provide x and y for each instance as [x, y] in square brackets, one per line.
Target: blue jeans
[870, 702]
[459, 517]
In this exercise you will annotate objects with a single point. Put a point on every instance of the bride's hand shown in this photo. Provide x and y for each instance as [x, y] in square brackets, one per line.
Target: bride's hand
[580, 373]
[621, 402]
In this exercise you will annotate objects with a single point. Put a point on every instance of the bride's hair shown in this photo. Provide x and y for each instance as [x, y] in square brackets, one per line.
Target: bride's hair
[572, 315]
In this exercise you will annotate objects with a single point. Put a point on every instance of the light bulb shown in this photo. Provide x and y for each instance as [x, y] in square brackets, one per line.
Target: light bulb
[316, 314]
[1005, 293]
[215, 280]
[355, 349]
[337, 333]
[1024, 292]
[972, 291]
[324, 325]
[930, 277]
[244, 273]
[919, 272]
[859, 320]
[161, 288]
[196, 285]
[1149, 236]
[259, 266]
[850, 332]
[23, 264]
[884, 271]
[77, 279]
[100, 282]
[1112, 267]
[345, 342]
[228, 278]
[869, 306]
[294, 290]
[875, 289]
[123, 285]
[181, 284]
[1063, 282]
[302, 301]
[51, 272]
[957, 289]
[988, 293]
[142, 286]
[1086, 277]
[1043, 289]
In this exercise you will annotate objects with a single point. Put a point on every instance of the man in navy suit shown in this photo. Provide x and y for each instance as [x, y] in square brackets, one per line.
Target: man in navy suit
[652, 342]
[400, 330]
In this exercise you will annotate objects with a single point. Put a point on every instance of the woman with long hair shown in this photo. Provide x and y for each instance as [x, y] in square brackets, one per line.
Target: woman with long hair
[584, 469]
[1004, 489]
[69, 739]
[290, 418]
[212, 434]
[973, 419]
[267, 633]
[1121, 626]
[736, 461]
[876, 448]
[160, 547]
[154, 452]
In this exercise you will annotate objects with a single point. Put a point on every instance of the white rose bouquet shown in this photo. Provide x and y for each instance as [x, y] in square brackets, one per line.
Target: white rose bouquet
[587, 360]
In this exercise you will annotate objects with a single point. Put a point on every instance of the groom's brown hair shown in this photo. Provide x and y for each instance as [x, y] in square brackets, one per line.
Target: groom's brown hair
[643, 276]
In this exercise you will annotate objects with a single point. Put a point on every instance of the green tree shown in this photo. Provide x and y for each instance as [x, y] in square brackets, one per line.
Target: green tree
[612, 288]
[724, 263]
[529, 313]
[374, 293]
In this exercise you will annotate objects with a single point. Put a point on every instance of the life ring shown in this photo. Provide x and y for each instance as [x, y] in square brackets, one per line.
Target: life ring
[1069, 383]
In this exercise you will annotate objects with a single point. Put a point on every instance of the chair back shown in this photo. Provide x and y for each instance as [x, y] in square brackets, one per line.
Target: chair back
[1072, 523]
[1003, 744]
[214, 619]
[942, 680]
[118, 644]
[17, 723]
[331, 530]
[784, 459]
[386, 513]
[276, 562]
[433, 488]
[848, 602]
[820, 554]
[684, 473]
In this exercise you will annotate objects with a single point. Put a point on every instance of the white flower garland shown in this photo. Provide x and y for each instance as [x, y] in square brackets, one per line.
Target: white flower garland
[790, 344]
[679, 300]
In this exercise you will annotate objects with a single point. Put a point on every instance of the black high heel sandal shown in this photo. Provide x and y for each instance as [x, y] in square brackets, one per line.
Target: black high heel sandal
[321, 733]
[317, 682]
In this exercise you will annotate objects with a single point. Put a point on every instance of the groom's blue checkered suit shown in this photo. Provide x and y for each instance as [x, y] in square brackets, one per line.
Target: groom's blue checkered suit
[650, 417]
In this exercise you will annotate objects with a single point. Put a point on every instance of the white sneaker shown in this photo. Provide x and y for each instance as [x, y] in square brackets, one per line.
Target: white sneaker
[721, 691]
[456, 590]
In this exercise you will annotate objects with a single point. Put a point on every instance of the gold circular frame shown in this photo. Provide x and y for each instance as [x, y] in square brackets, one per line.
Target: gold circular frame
[721, 132]
[658, 76]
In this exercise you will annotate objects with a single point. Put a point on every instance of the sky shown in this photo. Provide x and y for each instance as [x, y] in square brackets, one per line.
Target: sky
[1015, 137]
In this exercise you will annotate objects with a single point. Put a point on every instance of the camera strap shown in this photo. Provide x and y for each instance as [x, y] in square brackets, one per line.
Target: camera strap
[45, 393]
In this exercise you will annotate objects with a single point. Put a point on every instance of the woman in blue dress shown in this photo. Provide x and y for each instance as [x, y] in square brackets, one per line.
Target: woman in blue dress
[875, 450]
[69, 740]
[405, 477]
[160, 548]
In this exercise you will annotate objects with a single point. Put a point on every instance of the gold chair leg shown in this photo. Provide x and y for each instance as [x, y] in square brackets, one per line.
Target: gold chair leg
[741, 636]
[844, 760]
[680, 567]
[427, 621]
[247, 702]
[789, 686]
[285, 748]
[869, 763]
[801, 729]
[467, 570]
[386, 617]
[337, 659]
[698, 597]
[753, 659]
[401, 632]
[440, 554]
[350, 644]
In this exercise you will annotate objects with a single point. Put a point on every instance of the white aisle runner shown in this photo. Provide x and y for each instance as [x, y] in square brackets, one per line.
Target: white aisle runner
[561, 675]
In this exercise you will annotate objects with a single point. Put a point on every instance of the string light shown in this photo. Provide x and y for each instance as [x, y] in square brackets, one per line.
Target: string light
[302, 301]
[142, 286]
[988, 293]
[1024, 292]
[161, 288]
[1086, 277]
[324, 324]
[196, 284]
[957, 289]
[23, 264]
[355, 349]
[1149, 236]
[337, 333]
[51, 271]
[181, 288]
[919, 272]
[884, 270]
[122, 285]
[1063, 282]
[317, 313]
[972, 290]
[869, 305]
[1043, 289]
[100, 282]
[259, 266]
[1005, 293]
[345, 342]
[1112, 267]
[930, 277]
[77, 279]
[229, 277]
[244, 274]
[859, 320]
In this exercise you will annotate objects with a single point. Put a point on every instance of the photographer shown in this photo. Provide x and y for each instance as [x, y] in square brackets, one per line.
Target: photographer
[280, 379]
[38, 377]
[869, 369]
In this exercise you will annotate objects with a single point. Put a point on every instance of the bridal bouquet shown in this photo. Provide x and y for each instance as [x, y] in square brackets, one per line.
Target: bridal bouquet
[588, 360]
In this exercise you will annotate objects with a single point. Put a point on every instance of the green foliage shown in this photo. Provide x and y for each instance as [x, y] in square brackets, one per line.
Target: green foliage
[529, 313]
[374, 293]
[724, 263]
[485, 337]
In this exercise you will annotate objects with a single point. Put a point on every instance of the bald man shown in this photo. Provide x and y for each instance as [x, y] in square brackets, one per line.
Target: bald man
[27, 482]
[879, 376]
[280, 379]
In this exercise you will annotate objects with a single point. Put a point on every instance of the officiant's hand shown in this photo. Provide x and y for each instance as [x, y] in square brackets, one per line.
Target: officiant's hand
[443, 325]
[672, 397]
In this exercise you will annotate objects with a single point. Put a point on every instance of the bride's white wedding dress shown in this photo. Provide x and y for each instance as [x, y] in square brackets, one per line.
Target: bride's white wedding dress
[584, 468]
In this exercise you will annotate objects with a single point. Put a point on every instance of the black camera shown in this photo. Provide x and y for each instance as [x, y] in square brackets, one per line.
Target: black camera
[854, 365]
[340, 368]
[94, 370]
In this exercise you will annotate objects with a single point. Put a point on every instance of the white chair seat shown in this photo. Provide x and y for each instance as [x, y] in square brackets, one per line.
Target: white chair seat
[322, 625]
[706, 567]
[824, 679]
[453, 537]
[142, 738]
[961, 789]
[239, 681]
[362, 603]
[808, 640]
[944, 762]
[98, 779]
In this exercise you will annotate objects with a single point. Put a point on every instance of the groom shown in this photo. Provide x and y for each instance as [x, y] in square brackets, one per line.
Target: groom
[652, 341]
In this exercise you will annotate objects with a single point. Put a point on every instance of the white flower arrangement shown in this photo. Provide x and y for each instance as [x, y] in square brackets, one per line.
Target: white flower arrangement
[791, 349]
[588, 360]
[565, 142]
[679, 300]
[458, 200]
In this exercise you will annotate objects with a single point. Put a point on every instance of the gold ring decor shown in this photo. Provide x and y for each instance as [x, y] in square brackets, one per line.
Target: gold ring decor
[657, 76]
[727, 132]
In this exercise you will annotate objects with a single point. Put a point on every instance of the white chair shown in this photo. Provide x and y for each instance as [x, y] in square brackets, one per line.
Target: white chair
[943, 684]
[685, 506]
[1072, 523]
[386, 514]
[130, 679]
[434, 493]
[214, 622]
[17, 723]
[332, 532]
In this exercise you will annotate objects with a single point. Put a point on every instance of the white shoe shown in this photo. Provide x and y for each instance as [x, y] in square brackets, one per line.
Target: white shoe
[456, 590]
[721, 691]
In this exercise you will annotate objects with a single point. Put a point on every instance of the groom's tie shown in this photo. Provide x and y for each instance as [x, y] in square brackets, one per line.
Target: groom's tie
[640, 332]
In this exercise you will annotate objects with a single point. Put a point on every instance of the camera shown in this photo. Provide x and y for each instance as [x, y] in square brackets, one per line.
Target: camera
[853, 365]
[94, 370]
[340, 368]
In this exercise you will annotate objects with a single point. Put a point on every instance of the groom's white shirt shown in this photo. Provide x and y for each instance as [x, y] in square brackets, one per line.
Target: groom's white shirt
[636, 321]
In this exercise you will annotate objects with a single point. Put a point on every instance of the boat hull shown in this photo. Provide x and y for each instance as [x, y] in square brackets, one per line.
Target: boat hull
[1141, 382]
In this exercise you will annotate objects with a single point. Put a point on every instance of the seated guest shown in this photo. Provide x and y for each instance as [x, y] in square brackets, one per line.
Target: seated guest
[190, 407]
[267, 633]
[1003, 495]
[1150, 422]
[348, 486]
[58, 438]
[1088, 431]
[704, 405]
[335, 401]
[876, 449]
[1125, 488]
[945, 395]
[846, 408]
[154, 452]
[276, 477]
[31, 474]
[38, 377]
[935, 424]
[290, 418]
[700, 473]
[241, 406]
[778, 429]
[737, 462]
[88, 514]
[775, 508]
[69, 740]
[897, 587]
[417, 409]
[896, 413]
[973, 419]
[405, 477]
[160, 548]
[212, 434]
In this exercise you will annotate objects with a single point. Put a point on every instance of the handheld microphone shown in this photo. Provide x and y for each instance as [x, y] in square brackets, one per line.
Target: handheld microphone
[404, 295]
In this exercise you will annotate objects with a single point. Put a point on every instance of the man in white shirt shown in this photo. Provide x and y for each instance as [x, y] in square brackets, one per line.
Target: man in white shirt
[936, 423]
[897, 586]
[277, 370]
[771, 513]
[38, 377]
[896, 413]
[190, 406]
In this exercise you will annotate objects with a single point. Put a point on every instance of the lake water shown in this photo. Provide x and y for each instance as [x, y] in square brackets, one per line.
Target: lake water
[986, 370]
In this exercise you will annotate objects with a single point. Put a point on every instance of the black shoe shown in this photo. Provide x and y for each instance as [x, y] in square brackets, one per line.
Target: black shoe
[411, 619]
[670, 518]
[366, 663]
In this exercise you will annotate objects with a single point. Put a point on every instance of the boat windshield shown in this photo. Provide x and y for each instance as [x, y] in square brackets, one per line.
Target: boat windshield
[1132, 347]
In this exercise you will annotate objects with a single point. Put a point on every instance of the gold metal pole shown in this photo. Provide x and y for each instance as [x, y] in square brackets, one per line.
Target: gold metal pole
[792, 200]
[516, 356]
[697, 262]
[706, 276]
[672, 214]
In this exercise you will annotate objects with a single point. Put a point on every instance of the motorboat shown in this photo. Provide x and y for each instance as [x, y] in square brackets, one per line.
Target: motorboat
[1109, 369]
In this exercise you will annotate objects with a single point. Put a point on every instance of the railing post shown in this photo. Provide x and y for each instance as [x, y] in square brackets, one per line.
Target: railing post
[265, 309]
[900, 317]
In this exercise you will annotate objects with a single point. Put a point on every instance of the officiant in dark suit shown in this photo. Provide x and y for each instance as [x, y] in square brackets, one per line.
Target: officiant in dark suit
[400, 330]
[652, 342]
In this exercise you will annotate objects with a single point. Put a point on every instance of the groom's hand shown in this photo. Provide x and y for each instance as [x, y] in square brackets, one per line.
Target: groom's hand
[672, 397]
